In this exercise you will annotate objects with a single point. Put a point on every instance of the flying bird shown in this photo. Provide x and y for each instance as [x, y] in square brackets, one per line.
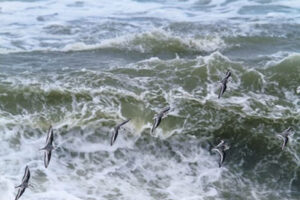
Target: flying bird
[22, 187]
[285, 137]
[158, 118]
[224, 84]
[116, 132]
[49, 147]
[221, 148]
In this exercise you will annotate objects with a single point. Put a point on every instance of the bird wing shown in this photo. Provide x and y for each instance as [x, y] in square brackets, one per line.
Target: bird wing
[26, 175]
[49, 134]
[220, 144]
[285, 141]
[222, 90]
[156, 123]
[222, 159]
[20, 192]
[228, 74]
[51, 137]
[281, 136]
[287, 132]
[47, 157]
[222, 155]
[114, 136]
[121, 124]
[165, 110]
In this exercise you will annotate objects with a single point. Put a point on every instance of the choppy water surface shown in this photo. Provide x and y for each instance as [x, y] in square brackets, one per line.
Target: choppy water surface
[84, 66]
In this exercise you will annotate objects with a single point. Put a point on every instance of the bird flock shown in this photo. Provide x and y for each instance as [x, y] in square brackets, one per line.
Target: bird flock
[221, 148]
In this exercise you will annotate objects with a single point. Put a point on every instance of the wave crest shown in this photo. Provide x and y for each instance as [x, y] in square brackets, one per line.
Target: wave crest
[156, 41]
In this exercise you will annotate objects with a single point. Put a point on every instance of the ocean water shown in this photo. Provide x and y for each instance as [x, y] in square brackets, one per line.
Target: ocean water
[85, 66]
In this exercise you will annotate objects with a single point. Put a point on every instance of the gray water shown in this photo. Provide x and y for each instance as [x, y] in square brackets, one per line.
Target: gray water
[85, 66]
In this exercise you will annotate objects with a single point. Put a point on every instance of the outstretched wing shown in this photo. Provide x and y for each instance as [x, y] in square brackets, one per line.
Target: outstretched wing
[156, 123]
[228, 74]
[164, 110]
[222, 159]
[51, 137]
[121, 124]
[222, 155]
[285, 141]
[47, 157]
[114, 136]
[26, 175]
[49, 134]
[20, 192]
[220, 144]
[116, 131]
[284, 138]
[287, 132]
[280, 136]
[222, 90]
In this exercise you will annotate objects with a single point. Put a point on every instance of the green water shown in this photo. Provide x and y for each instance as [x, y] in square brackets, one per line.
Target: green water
[84, 76]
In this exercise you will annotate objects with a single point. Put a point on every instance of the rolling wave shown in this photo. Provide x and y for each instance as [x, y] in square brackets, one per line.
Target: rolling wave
[83, 71]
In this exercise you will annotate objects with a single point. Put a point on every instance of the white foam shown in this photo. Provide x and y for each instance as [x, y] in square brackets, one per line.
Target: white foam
[86, 166]
[21, 29]
[130, 42]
